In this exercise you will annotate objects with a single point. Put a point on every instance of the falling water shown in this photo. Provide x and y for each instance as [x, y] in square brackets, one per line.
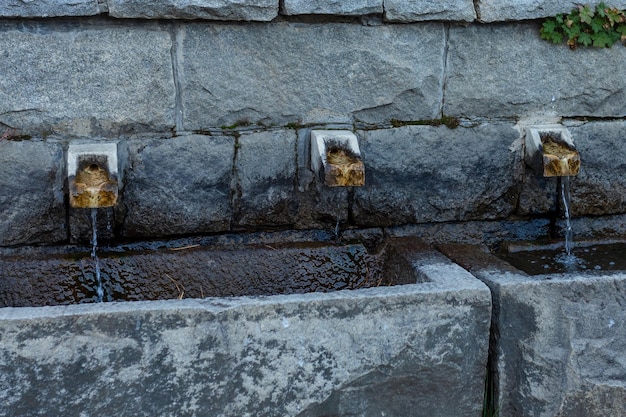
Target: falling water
[569, 261]
[94, 255]
[569, 235]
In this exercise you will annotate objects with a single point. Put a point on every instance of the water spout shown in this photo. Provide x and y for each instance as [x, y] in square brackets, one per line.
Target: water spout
[550, 151]
[336, 158]
[93, 175]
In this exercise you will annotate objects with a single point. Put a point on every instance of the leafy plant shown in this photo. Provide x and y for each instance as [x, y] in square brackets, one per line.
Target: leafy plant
[601, 27]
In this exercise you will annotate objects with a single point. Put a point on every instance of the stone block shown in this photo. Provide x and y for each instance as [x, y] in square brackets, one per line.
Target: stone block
[285, 73]
[366, 352]
[502, 10]
[85, 80]
[319, 206]
[50, 8]
[32, 208]
[417, 11]
[178, 186]
[599, 188]
[248, 10]
[560, 340]
[266, 172]
[417, 174]
[509, 71]
[332, 7]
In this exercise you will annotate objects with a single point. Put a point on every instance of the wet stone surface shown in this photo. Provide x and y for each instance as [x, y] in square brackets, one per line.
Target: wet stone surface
[196, 272]
[539, 260]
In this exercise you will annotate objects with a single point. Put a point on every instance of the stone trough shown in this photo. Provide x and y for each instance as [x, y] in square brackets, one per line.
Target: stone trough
[558, 343]
[417, 348]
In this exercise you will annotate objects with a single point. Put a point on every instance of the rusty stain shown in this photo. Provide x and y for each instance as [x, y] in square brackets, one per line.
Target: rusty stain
[344, 169]
[92, 188]
[559, 159]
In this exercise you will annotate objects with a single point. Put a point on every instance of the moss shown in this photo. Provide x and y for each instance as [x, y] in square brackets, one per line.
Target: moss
[238, 123]
[448, 121]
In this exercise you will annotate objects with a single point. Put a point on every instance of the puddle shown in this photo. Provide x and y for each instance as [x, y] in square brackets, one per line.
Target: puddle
[549, 259]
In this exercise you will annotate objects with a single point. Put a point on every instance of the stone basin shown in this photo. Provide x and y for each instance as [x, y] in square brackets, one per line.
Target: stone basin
[186, 270]
[558, 338]
[405, 350]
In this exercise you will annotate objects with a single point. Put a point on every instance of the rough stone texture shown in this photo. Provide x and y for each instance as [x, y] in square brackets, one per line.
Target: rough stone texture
[407, 350]
[246, 270]
[179, 186]
[500, 10]
[85, 80]
[415, 11]
[333, 7]
[49, 8]
[435, 174]
[508, 71]
[598, 189]
[560, 342]
[318, 206]
[31, 193]
[266, 170]
[262, 10]
[280, 73]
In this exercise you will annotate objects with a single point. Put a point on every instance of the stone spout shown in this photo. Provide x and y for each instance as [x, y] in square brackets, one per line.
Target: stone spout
[336, 158]
[92, 175]
[550, 151]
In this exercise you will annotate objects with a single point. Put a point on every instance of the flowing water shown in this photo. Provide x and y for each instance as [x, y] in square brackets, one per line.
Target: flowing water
[94, 254]
[567, 258]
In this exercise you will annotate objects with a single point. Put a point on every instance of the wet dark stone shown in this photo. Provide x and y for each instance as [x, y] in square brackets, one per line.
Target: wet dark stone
[195, 271]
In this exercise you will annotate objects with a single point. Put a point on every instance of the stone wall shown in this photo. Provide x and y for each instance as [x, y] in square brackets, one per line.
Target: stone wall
[212, 104]
[213, 114]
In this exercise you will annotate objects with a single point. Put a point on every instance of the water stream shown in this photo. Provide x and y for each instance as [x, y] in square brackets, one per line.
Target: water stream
[94, 254]
[568, 259]
[569, 234]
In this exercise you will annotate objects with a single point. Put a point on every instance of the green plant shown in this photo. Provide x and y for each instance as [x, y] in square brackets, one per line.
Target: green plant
[601, 26]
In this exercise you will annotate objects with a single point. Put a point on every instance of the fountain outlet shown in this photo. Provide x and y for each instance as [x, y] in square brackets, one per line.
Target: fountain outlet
[92, 170]
[550, 151]
[336, 158]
